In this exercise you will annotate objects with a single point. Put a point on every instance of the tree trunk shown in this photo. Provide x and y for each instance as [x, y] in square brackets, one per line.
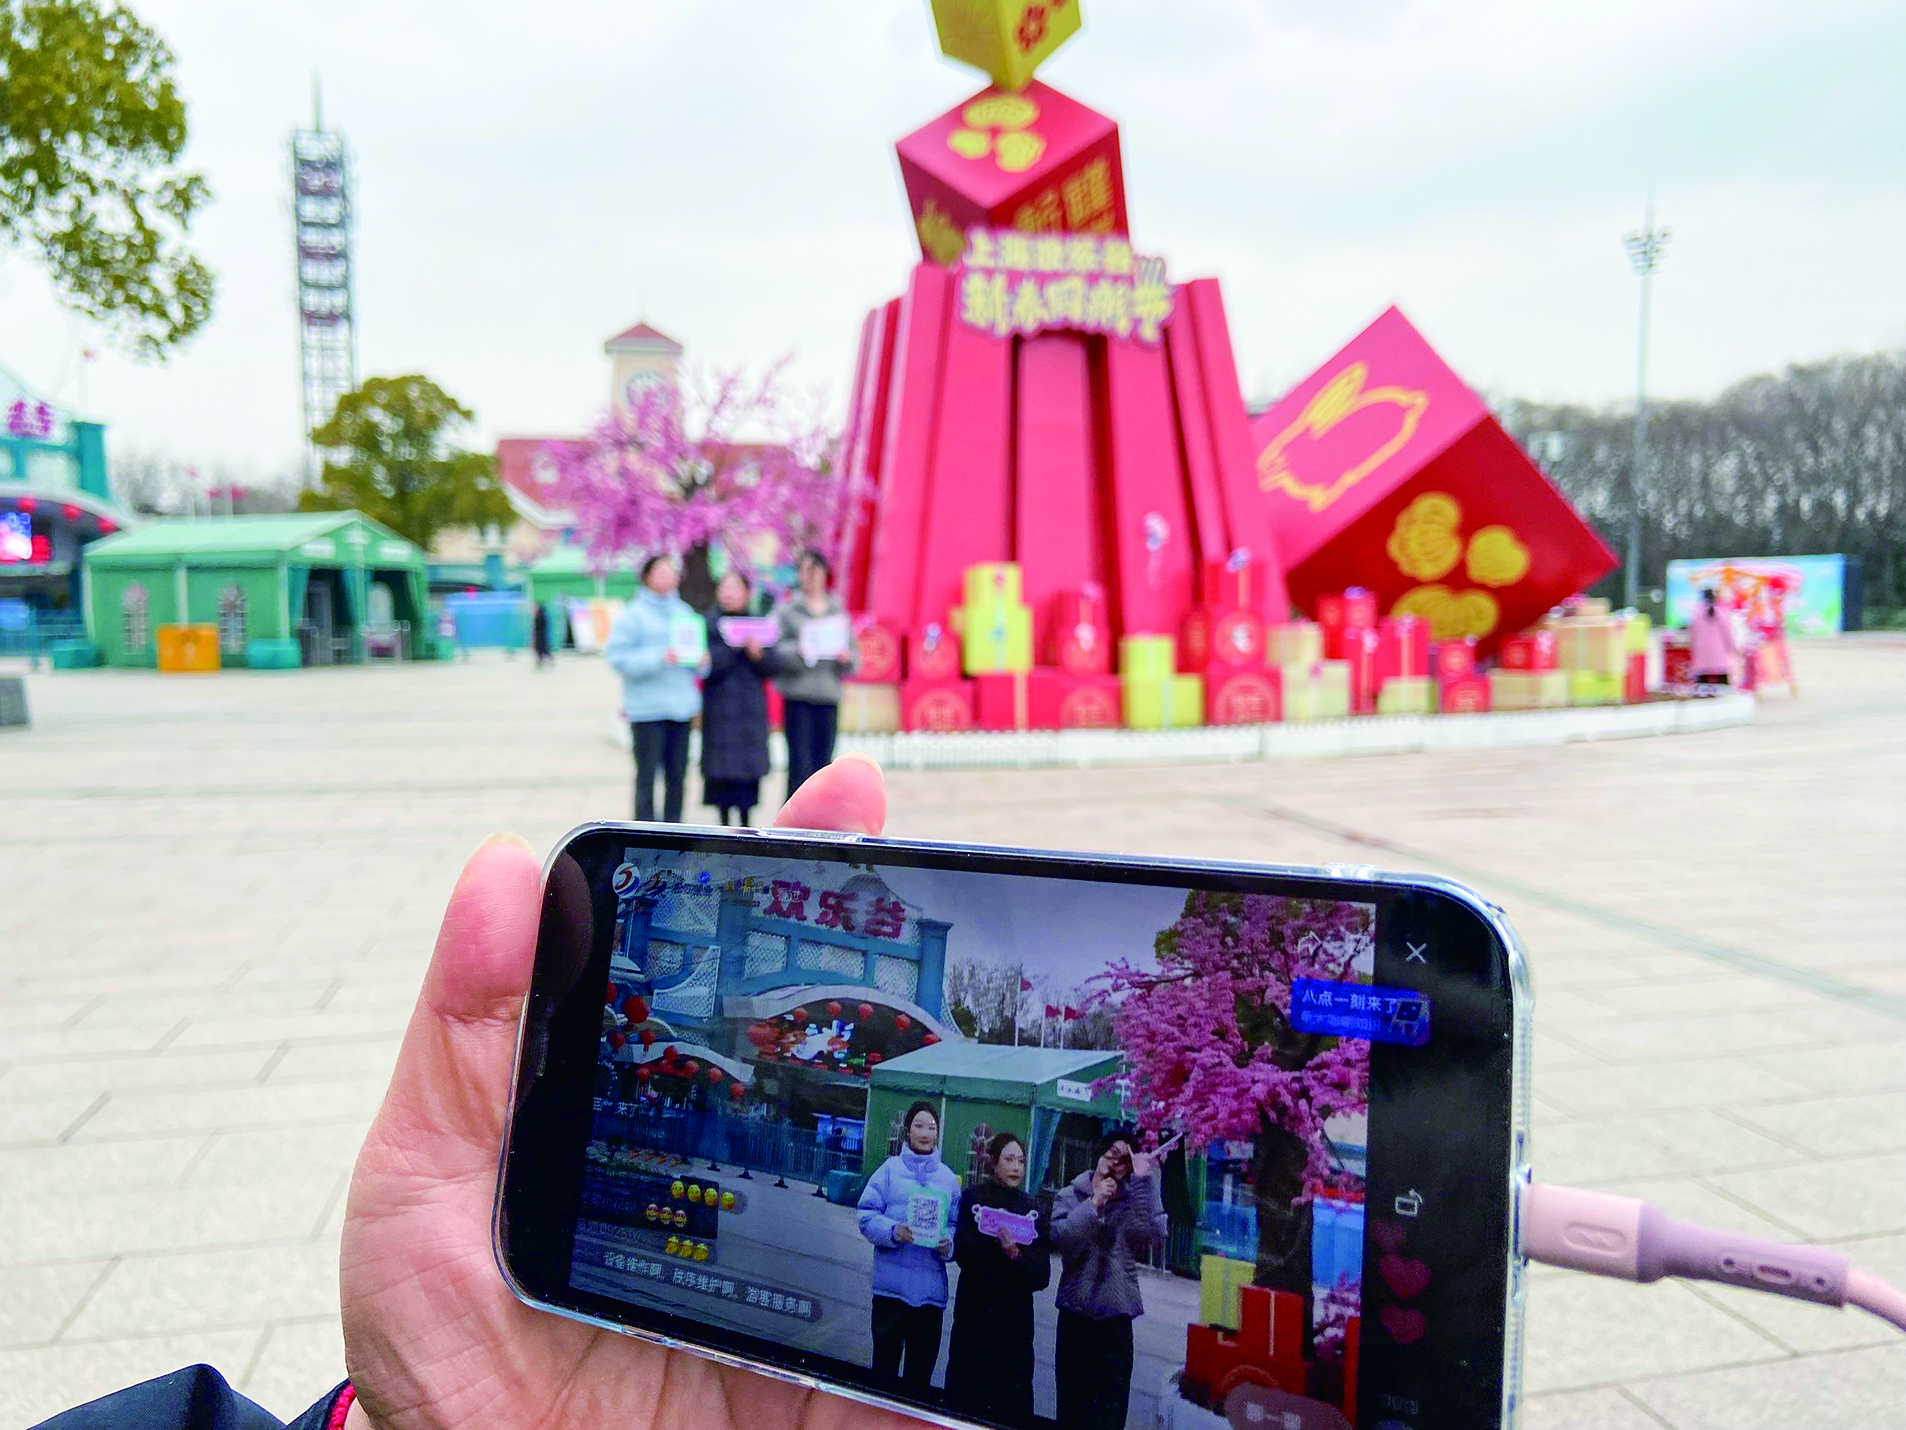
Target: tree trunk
[698, 586]
[1283, 1224]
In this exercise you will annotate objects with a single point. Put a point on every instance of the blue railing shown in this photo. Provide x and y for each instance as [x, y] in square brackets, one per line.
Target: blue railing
[34, 637]
[772, 1147]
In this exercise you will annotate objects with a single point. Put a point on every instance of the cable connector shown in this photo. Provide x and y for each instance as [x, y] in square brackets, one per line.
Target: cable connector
[1631, 1240]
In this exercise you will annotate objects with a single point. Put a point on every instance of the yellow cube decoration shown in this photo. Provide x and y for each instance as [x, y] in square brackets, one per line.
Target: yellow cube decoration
[1528, 689]
[1147, 657]
[992, 583]
[1407, 695]
[1172, 702]
[1221, 1283]
[868, 708]
[997, 639]
[1594, 687]
[1008, 39]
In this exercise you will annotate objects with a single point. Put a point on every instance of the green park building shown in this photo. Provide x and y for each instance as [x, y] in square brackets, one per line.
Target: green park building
[311, 588]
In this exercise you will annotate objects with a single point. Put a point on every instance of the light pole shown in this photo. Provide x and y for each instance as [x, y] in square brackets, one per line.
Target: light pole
[1644, 254]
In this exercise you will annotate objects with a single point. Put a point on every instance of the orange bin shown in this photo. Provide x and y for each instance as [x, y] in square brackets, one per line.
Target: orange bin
[187, 648]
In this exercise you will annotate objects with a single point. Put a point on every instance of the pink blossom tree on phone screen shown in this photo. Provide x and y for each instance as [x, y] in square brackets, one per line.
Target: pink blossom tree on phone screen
[1212, 1050]
[720, 461]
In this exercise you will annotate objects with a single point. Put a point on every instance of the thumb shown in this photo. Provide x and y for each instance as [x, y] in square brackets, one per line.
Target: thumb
[849, 795]
[442, 1117]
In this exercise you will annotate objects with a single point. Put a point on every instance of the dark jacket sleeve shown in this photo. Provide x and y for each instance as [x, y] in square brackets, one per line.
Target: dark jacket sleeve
[196, 1398]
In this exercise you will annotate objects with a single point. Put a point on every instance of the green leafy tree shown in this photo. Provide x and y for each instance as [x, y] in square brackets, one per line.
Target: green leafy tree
[392, 458]
[91, 129]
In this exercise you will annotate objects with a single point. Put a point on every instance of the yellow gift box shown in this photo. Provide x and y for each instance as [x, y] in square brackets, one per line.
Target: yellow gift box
[1593, 687]
[869, 709]
[1147, 657]
[997, 640]
[1221, 1283]
[992, 583]
[1407, 695]
[1528, 689]
[1294, 643]
[1170, 703]
[1636, 634]
[1599, 644]
[1008, 39]
[1318, 691]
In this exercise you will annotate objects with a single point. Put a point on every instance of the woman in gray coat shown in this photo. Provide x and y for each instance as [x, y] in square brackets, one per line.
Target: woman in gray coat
[810, 685]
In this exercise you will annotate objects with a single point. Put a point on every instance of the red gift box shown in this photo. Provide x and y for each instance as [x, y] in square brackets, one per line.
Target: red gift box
[1062, 700]
[1232, 583]
[1002, 702]
[1360, 651]
[933, 653]
[936, 704]
[1634, 685]
[1468, 696]
[1532, 650]
[1081, 635]
[1384, 469]
[1270, 1337]
[1402, 647]
[1341, 612]
[1244, 697]
[879, 651]
[1454, 659]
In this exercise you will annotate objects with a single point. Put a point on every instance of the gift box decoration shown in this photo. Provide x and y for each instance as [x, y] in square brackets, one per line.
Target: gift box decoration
[1406, 695]
[1319, 691]
[1007, 39]
[1467, 696]
[1294, 643]
[1587, 608]
[933, 653]
[1194, 642]
[1147, 657]
[869, 709]
[992, 583]
[1221, 1280]
[1243, 697]
[1168, 702]
[938, 705]
[1002, 702]
[879, 652]
[1062, 700]
[1592, 643]
[1342, 612]
[1677, 664]
[1595, 687]
[1634, 685]
[1532, 650]
[998, 640]
[1232, 583]
[1035, 160]
[1454, 659]
[1384, 469]
[1081, 632]
[1359, 653]
[1636, 631]
[1402, 648]
[1528, 689]
[1267, 1346]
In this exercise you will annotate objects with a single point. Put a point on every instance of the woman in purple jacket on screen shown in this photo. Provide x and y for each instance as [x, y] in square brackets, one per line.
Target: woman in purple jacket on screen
[909, 1274]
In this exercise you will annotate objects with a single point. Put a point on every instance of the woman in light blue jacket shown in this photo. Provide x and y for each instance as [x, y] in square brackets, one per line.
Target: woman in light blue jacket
[910, 1275]
[659, 648]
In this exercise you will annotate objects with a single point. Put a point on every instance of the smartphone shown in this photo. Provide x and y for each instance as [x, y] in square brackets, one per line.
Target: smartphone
[1012, 1137]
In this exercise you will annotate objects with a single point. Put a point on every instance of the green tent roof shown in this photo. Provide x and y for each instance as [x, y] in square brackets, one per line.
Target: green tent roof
[239, 535]
[990, 1069]
[574, 561]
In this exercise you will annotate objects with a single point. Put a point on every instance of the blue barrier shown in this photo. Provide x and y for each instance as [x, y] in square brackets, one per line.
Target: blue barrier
[496, 620]
[716, 1137]
[29, 633]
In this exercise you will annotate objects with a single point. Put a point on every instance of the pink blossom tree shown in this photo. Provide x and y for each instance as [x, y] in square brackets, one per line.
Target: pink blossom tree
[718, 461]
[1212, 1049]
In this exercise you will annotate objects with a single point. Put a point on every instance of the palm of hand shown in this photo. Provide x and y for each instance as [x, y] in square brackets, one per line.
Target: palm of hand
[433, 1337]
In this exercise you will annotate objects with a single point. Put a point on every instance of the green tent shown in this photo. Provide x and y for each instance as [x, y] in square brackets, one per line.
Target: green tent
[1047, 1096]
[565, 575]
[308, 588]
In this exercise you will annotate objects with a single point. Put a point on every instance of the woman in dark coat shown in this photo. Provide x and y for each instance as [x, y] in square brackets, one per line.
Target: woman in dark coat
[734, 710]
[989, 1364]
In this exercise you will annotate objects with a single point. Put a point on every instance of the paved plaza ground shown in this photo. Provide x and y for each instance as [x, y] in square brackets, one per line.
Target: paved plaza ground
[220, 893]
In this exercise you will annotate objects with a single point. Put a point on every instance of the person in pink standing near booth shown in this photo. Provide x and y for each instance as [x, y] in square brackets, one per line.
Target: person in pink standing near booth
[1711, 645]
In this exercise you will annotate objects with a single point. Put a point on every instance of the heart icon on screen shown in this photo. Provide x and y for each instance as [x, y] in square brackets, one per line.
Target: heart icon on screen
[1404, 1277]
[1390, 1235]
[1405, 1324]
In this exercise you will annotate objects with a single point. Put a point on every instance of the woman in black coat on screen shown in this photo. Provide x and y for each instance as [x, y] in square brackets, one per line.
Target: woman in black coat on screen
[989, 1363]
[734, 710]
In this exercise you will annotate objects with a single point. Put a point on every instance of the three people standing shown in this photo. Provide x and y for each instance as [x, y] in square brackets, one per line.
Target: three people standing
[660, 661]
[816, 649]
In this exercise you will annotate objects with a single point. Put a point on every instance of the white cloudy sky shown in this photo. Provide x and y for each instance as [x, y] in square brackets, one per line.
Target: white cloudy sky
[534, 177]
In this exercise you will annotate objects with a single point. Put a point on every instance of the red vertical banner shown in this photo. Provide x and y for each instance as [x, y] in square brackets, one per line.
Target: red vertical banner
[969, 506]
[1055, 490]
[913, 409]
[1247, 519]
[873, 380]
[1210, 534]
[1151, 525]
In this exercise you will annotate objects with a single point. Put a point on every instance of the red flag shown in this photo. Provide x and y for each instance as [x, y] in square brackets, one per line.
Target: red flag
[1072, 1013]
[1025, 985]
[1052, 1010]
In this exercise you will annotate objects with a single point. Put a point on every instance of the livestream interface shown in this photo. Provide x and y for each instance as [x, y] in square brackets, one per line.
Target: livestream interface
[1009, 1146]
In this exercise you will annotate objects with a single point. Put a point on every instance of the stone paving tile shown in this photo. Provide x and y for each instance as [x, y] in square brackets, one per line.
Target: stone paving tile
[130, 1114]
[301, 1361]
[1591, 1150]
[106, 1071]
[89, 1168]
[255, 1210]
[1856, 1389]
[38, 1300]
[1825, 1201]
[1585, 1332]
[1586, 1410]
[211, 1290]
[1833, 1126]
[42, 1381]
[42, 1119]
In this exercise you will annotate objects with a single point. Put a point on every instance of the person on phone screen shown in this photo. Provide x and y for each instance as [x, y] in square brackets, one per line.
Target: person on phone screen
[734, 709]
[989, 1359]
[658, 647]
[908, 1211]
[1101, 1222]
[1711, 643]
[816, 648]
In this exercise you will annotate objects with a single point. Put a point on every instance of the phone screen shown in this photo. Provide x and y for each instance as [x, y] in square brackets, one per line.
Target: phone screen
[1023, 1139]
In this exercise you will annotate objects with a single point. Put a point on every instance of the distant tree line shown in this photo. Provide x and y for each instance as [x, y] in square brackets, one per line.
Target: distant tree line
[1812, 460]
